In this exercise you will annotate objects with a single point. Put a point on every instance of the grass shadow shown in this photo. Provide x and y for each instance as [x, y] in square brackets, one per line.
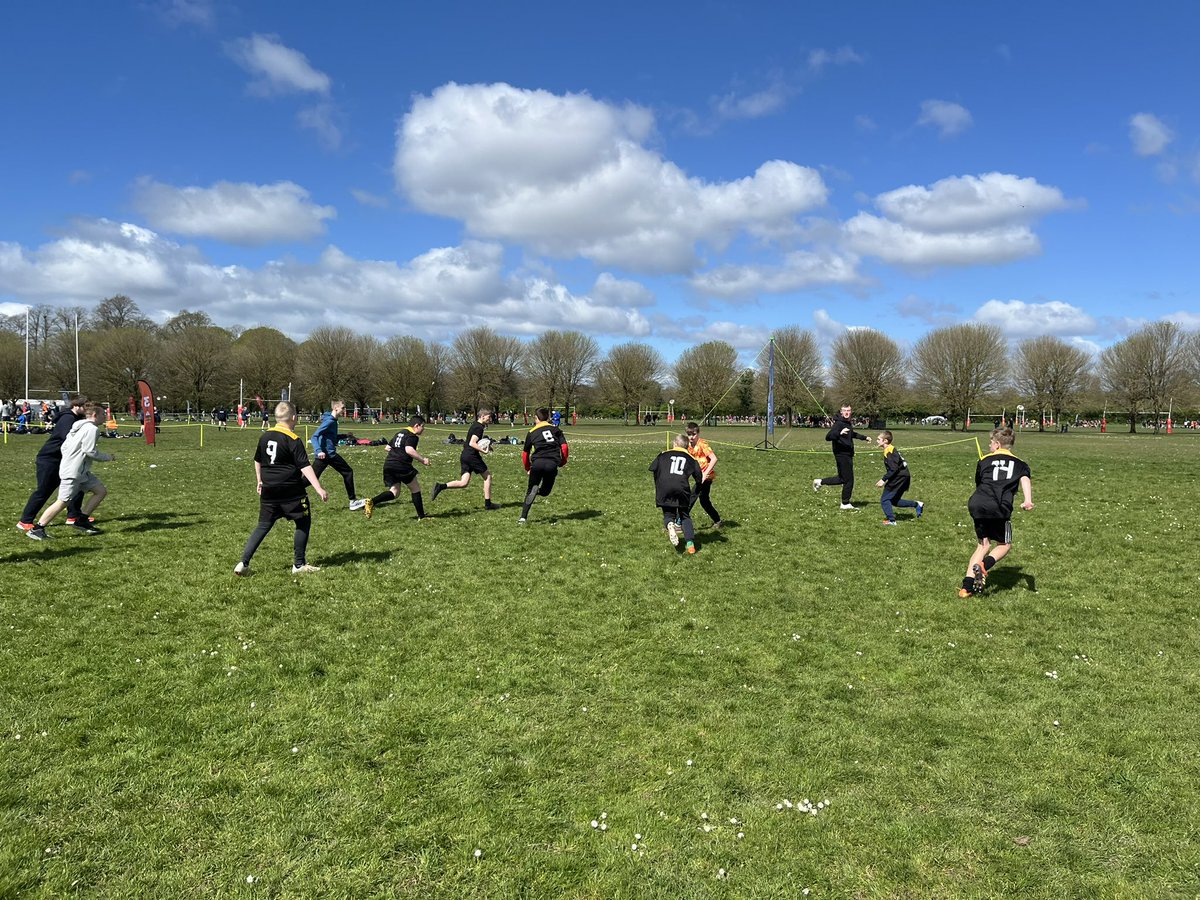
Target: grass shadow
[54, 548]
[358, 556]
[1010, 578]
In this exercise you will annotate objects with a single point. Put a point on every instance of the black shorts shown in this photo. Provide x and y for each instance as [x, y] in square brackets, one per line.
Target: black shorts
[542, 474]
[998, 530]
[476, 465]
[398, 476]
[295, 509]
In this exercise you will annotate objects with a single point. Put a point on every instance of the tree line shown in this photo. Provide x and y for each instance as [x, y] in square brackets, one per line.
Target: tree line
[954, 371]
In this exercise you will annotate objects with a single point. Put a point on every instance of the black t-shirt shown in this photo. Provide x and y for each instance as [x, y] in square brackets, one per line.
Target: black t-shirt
[896, 474]
[469, 453]
[397, 459]
[674, 470]
[997, 478]
[52, 449]
[281, 457]
[544, 442]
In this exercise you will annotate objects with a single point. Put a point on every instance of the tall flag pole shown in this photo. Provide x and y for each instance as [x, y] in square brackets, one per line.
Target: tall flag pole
[771, 389]
[147, 411]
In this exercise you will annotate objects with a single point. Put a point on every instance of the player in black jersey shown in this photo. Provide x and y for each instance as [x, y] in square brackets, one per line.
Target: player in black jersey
[282, 468]
[674, 471]
[398, 468]
[472, 461]
[997, 478]
[545, 452]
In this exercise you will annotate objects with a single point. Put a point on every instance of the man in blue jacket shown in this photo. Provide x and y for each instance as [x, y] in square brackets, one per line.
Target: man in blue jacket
[48, 460]
[324, 443]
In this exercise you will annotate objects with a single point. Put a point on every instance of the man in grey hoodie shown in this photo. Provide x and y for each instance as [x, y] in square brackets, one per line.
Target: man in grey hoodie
[75, 474]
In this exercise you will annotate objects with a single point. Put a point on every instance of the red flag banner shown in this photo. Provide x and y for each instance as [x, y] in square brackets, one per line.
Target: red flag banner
[147, 411]
[262, 407]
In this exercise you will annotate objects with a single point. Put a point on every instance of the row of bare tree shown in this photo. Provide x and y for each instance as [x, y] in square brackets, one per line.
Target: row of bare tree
[191, 362]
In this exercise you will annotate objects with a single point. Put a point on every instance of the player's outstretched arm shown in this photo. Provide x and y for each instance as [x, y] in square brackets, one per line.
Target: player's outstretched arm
[312, 479]
[1026, 492]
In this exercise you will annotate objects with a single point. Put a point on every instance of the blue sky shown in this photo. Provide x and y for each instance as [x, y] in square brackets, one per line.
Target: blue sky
[670, 172]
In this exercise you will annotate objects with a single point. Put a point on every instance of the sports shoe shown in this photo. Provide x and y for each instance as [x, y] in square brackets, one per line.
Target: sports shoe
[25, 526]
[691, 548]
[673, 534]
[849, 506]
[920, 508]
[356, 505]
[89, 519]
[816, 484]
[521, 521]
[241, 570]
[963, 593]
[488, 504]
[889, 521]
[438, 487]
[37, 533]
[86, 529]
[717, 525]
[305, 569]
[368, 508]
[980, 574]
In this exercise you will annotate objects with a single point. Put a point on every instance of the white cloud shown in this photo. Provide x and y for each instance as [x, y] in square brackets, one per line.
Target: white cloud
[798, 271]
[98, 259]
[970, 203]
[826, 328]
[569, 176]
[961, 221]
[366, 198]
[435, 295]
[277, 69]
[950, 119]
[187, 12]
[1018, 319]
[752, 106]
[322, 119]
[248, 214]
[13, 309]
[865, 124]
[1149, 134]
[612, 291]
[1188, 321]
[897, 244]
[818, 59]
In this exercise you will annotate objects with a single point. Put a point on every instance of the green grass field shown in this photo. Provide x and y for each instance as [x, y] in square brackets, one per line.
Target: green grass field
[447, 707]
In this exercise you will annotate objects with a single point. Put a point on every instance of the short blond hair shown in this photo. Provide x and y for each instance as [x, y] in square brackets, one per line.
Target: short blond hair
[285, 411]
[1004, 436]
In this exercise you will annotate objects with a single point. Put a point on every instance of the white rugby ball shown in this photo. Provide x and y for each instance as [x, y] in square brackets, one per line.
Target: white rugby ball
[485, 444]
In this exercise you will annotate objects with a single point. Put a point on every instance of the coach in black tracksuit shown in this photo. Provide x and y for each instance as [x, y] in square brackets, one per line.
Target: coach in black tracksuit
[48, 460]
[842, 435]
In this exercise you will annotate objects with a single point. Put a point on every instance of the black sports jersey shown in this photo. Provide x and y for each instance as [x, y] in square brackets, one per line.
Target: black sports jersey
[397, 458]
[674, 470]
[470, 454]
[545, 442]
[997, 478]
[896, 475]
[281, 457]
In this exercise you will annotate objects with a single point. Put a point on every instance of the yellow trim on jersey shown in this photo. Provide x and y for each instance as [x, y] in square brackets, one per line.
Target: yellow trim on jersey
[284, 430]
